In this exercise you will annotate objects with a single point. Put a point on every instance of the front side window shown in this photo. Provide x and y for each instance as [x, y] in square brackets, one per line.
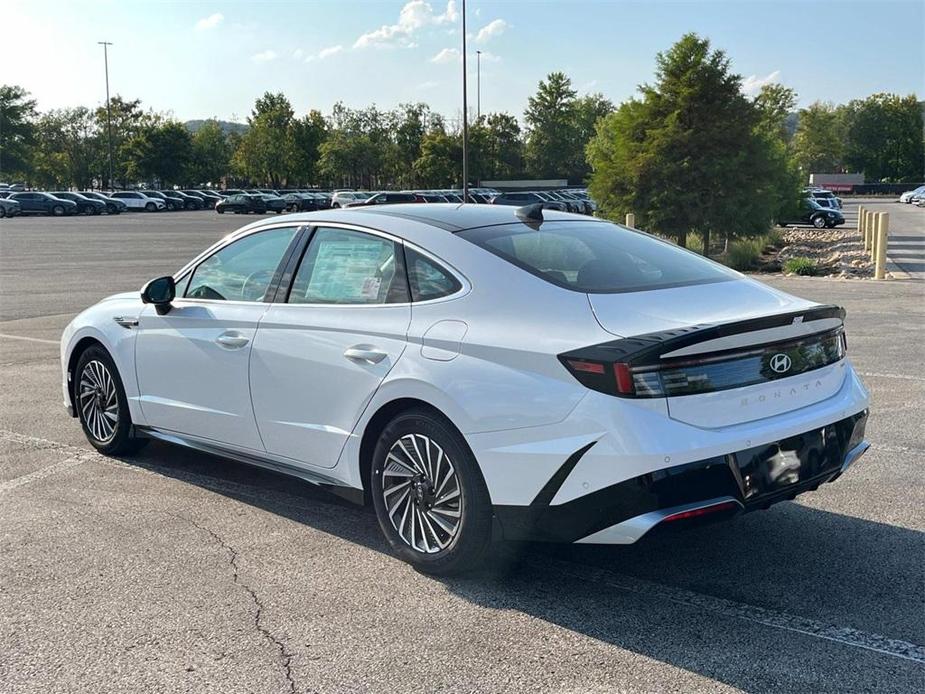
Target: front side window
[597, 257]
[243, 270]
[349, 267]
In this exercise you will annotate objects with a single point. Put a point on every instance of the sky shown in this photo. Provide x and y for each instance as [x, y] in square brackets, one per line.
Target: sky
[201, 59]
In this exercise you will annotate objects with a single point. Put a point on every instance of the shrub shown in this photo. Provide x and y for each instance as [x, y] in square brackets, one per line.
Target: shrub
[800, 266]
[744, 253]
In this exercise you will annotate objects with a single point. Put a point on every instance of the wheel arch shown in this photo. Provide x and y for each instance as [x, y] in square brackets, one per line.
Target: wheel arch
[81, 346]
[377, 423]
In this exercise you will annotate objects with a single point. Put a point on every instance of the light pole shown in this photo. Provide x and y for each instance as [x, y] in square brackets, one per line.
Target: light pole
[478, 86]
[106, 45]
[465, 162]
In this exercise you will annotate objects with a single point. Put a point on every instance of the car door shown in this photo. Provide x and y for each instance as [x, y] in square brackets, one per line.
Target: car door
[192, 362]
[322, 350]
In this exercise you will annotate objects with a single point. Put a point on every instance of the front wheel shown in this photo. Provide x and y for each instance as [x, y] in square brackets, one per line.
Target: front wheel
[819, 222]
[151, 207]
[57, 210]
[429, 494]
[220, 210]
[101, 405]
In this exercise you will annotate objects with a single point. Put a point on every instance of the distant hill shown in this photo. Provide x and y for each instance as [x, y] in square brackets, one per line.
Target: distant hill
[227, 126]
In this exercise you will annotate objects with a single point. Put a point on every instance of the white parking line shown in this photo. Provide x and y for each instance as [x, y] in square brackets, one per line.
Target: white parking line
[30, 339]
[895, 648]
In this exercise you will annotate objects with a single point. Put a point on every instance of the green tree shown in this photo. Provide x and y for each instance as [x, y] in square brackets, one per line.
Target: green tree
[687, 156]
[128, 120]
[308, 133]
[265, 154]
[883, 136]
[551, 137]
[505, 158]
[211, 154]
[68, 149]
[161, 153]
[17, 131]
[819, 139]
[440, 163]
[587, 111]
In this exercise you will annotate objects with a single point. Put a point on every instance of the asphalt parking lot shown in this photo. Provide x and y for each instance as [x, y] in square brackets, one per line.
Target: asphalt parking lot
[174, 571]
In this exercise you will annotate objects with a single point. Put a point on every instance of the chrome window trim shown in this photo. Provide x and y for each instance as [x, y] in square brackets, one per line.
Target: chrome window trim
[465, 285]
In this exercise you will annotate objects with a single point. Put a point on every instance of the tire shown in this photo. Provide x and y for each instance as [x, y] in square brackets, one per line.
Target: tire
[819, 222]
[94, 210]
[101, 405]
[150, 207]
[220, 210]
[57, 210]
[2, 212]
[454, 507]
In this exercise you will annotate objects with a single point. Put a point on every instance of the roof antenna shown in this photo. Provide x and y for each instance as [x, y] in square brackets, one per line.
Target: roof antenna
[531, 213]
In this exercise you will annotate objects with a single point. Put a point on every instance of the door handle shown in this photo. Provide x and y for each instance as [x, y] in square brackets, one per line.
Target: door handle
[232, 340]
[363, 353]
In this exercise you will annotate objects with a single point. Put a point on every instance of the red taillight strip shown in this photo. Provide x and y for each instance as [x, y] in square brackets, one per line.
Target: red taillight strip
[702, 511]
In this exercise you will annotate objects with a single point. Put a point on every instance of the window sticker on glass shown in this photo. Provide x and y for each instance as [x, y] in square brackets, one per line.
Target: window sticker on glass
[348, 271]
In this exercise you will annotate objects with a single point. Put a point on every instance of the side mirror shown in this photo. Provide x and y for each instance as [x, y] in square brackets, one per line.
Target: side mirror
[160, 292]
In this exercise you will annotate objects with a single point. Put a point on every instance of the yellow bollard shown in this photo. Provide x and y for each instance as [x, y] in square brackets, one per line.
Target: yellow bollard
[883, 236]
[861, 222]
[630, 220]
[871, 226]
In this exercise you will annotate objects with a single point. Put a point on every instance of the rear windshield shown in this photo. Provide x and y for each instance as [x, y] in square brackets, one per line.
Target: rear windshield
[597, 257]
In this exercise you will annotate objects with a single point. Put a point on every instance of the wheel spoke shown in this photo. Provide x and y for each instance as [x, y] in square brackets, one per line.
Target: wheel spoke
[98, 399]
[447, 497]
[440, 543]
[398, 503]
[447, 527]
[420, 517]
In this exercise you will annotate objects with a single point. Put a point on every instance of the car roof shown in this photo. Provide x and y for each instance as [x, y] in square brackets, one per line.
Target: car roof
[452, 217]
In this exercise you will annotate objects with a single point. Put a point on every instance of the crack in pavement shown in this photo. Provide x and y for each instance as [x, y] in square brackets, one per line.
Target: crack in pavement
[284, 654]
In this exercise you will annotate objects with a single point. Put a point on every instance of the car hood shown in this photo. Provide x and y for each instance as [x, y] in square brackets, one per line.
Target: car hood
[636, 313]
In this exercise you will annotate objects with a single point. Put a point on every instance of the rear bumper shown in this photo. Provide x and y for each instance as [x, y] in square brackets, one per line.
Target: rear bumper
[718, 487]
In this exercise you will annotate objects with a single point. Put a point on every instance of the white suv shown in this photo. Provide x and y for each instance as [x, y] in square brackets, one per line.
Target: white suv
[138, 201]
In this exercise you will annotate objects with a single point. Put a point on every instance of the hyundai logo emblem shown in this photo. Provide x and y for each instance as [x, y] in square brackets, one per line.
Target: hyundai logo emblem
[780, 363]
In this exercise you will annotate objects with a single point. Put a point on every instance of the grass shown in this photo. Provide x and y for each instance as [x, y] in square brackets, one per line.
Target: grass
[801, 266]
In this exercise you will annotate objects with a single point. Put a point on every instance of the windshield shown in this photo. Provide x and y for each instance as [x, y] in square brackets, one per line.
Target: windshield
[597, 257]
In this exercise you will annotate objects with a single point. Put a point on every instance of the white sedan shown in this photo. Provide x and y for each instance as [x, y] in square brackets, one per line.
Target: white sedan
[478, 372]
[139, 201]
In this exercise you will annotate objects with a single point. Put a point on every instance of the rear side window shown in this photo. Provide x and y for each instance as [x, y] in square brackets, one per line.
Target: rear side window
[597, 257]
[428, 280]
[342, 266]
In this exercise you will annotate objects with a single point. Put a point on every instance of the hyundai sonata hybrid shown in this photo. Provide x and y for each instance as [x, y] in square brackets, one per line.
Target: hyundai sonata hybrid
[478, 372]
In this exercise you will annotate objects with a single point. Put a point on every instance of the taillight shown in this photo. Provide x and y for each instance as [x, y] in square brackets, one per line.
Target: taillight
[702, 511]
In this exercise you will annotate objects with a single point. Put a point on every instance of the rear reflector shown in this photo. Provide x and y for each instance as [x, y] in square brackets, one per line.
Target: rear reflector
[704, 511]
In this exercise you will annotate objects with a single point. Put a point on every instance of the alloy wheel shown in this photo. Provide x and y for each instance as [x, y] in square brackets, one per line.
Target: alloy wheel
[422, 494]
[98, 401]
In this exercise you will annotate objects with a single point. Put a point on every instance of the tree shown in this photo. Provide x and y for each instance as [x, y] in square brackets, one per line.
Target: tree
[308, 133]
[68, 150]
[775, 103]
[17, 131]
[128, 120]
[587, 111]
[818, 141]
[688, 155]
[505, 157]
[551, 137]
[265, 154]
[160, 152]
[440, 163]
[211, 155]
[884, 137]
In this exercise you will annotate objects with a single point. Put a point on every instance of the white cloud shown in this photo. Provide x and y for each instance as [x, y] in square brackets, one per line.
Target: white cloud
[450, 55]
[325, 53]
[447, 55]
[264, 56]
[414, 16]
[210, 22]
[753, 83]
[493, 29]
[298, 54]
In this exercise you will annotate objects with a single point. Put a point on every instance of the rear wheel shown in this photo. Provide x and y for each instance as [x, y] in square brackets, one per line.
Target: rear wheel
[101, 405]
[819, 222]
[429, 494]
[150, 207]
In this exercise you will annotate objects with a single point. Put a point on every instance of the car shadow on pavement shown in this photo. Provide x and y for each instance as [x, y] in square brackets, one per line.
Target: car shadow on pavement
[793, 560]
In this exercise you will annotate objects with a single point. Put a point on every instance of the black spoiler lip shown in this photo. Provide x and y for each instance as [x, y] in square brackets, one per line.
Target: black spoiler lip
[647, 349]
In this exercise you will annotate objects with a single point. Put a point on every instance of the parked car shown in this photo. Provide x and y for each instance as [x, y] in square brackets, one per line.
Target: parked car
[242, 204]
[186, 202]
[641, 385]
[815, 214]
[275, 203]
[821, 194]
[34, 202]
[384, 199]
[519, 198]
[84, 204]
[134, 200]
[113, 206]
[205, 201]
[342, 198]
[9, 208]
[909, 196]
[171, 203]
